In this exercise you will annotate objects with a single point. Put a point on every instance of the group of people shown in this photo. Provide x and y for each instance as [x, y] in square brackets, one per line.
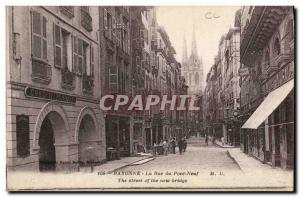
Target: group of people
[169, 146]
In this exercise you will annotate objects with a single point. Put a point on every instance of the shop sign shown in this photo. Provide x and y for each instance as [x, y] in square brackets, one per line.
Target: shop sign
[49, 95]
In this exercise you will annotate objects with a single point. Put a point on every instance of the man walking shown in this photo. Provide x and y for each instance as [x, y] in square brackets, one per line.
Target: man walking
[206, 139]
[180, 145]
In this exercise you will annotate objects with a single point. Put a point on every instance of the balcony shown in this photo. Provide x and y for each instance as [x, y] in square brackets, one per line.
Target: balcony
[285, 74]
[67, 79]
[86, 20]
[67, 10]
[87, 84]
[257, 32]
[41, 72]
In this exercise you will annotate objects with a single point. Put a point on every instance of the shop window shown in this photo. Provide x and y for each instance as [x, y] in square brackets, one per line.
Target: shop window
[22, 134]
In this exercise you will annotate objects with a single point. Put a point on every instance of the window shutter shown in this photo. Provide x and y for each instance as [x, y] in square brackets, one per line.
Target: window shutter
[92, 62]
[79, 56]
[113, 78]
[44, 38]
[74, 47]
[36, 34]
[105, 19]
[57, 46]
[114, 28]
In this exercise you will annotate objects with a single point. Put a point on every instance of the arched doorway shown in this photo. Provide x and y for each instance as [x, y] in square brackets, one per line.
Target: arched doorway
[88, 141]
[52, 133]
[47, 157]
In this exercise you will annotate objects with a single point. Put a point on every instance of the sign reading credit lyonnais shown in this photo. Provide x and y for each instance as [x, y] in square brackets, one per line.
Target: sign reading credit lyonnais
[48, 95]
[139, 102]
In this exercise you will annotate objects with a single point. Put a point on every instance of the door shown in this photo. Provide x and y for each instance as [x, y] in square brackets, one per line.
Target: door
[47, 156]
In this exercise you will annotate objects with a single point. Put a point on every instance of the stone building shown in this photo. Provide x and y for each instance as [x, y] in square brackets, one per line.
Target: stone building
[230, 59]
[53, 88]
[267, 84]
[223, 90]
[116, 75]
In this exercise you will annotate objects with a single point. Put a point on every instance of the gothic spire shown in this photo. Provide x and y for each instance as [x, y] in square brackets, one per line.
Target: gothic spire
[194, 44]
[184, 52]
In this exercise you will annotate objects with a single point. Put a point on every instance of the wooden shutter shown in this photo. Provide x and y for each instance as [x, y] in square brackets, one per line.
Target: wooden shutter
[36, 35]
[44, 38]
[57, 46]
[39, 35]
[80, 56]
[75, 48]
[114, 28]
[113, 78]
[92, 62]
[105, 20]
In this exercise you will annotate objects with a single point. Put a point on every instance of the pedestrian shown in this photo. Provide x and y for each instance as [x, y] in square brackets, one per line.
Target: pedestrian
[173, 145]
[206, 139]
[165, 146]
[184, 144]
[180, 145]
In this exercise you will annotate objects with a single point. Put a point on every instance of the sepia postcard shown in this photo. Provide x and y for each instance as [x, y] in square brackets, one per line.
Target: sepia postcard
[150, 98]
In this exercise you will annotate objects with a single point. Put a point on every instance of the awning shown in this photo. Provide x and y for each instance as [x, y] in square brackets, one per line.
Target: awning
[270, 103]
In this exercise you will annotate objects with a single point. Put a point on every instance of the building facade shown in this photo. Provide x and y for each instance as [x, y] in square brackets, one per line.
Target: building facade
[222, 91]
[53, 88]
[267, 74]
[116, 69]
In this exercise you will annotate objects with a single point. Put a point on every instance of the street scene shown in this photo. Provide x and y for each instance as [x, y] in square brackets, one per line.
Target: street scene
[150, 97]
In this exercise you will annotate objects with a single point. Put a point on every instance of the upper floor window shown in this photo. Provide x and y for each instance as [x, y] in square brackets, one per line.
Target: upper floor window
[67, 10]
[107, 23]
[39, 36]
[62, 48]
[86, 19]
[276, 47]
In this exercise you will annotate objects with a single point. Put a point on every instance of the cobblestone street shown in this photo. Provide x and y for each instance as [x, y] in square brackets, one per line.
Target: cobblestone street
[198, 156]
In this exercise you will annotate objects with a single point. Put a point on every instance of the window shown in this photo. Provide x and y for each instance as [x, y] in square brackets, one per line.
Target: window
[23, 140]
[276, 47]
[107, 22]
[113, 78]
[77, 55]
[62, 47]
[39, 36]
[92, 71]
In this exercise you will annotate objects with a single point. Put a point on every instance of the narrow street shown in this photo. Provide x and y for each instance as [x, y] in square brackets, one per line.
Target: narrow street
[198, 156]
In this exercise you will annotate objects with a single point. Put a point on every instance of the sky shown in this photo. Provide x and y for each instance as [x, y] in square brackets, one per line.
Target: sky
[210, 24]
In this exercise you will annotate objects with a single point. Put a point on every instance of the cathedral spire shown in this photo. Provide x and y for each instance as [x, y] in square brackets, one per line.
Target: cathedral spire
[194, 45]
[184, 52]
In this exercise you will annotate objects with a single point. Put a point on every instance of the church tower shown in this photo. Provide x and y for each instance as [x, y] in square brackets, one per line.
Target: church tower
[192, 67]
